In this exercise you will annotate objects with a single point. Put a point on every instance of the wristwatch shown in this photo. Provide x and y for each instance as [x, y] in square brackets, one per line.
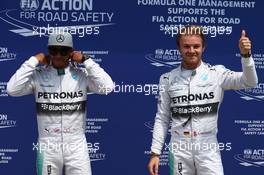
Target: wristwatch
[84, 58]
[247, 55]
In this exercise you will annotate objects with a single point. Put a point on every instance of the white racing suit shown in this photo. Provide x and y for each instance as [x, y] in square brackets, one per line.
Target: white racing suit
[190, 104]
[61, 112]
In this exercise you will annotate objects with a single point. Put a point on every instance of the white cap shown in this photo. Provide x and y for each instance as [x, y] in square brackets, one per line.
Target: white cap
[60, 39]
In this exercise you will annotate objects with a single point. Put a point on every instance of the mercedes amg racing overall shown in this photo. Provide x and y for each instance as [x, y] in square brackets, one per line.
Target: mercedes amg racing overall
[189, 100]
[61, 111]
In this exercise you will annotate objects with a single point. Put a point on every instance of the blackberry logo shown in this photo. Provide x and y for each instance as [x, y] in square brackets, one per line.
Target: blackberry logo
[29, 5]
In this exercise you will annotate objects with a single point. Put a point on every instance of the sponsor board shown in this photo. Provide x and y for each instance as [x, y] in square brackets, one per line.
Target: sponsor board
[5, 122]
[56, 16]
[250, 127]
[255, 94]
[6, 54]
[95, 125]
[3, 92]
[7, 155]
[211, 15]
[164, 58]
[96, 55]
[251, 158]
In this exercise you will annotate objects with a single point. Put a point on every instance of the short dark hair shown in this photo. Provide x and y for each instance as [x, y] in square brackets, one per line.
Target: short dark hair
[190, 30]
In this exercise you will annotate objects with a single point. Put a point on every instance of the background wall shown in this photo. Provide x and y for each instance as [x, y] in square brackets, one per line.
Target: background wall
[130, 40]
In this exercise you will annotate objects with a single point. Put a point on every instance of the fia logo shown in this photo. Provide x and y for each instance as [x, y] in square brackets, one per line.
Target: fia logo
[159, 51]
[247, 152]
[29, 5]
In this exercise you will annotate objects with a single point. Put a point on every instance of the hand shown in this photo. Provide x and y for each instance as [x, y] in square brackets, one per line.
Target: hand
[43, 59]
[76, 56]
[244, 44]
[153, 165]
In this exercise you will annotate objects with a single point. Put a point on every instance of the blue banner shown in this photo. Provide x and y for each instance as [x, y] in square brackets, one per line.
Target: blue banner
[134, 41]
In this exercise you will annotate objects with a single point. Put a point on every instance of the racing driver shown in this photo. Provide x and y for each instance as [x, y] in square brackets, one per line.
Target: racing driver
[190, 97]
[60, 90]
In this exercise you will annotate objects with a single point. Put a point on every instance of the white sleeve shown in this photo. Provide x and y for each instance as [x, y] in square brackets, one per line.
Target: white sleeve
[240, 80]
[163, 116]
[98, 80]
[21, 83]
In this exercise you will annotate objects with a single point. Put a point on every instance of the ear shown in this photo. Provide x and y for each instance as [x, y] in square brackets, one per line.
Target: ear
[71, 53]
[203, 48]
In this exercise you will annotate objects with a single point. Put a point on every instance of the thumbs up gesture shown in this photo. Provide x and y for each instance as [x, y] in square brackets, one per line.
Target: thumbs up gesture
[244, 45]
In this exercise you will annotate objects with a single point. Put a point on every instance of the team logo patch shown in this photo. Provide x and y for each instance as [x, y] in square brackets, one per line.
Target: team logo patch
[74, 76]
[60, 38]
[204, 77]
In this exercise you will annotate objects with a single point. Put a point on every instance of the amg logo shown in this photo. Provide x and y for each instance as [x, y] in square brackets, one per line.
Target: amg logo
[193, 97]
[180, 168]
[49, 169]
[62, 95]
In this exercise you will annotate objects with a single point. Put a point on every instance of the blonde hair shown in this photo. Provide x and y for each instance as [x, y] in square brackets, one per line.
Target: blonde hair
[191, 30]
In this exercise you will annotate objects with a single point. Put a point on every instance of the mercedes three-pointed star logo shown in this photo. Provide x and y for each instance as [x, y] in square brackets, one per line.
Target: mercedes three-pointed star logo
[60, 38]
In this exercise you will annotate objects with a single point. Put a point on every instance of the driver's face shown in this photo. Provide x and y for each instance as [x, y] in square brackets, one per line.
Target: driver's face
[60, 56]
[191, 48]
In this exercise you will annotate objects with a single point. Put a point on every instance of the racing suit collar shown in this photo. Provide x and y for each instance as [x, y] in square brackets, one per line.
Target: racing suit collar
[200, 68]
[195, 71]
[60, 71]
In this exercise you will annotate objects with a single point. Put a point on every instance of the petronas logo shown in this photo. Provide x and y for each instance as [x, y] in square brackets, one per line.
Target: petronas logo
[29, 5]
